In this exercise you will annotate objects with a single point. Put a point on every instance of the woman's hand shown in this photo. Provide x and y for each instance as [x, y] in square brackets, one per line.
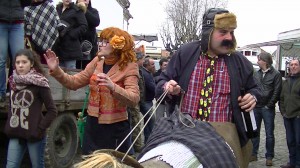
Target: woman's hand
[52, 59]
[104, 80]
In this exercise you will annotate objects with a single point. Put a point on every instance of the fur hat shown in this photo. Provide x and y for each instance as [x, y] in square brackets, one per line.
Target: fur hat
[82, 6]
[225, 21]
[216, 18]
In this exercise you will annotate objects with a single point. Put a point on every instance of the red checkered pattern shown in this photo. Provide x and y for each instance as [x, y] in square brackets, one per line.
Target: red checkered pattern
[220, 107]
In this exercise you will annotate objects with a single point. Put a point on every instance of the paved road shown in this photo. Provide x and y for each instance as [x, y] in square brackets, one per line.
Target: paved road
[281, 152]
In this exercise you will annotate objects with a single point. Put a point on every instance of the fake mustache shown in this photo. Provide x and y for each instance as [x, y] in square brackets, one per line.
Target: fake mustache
[227, 43]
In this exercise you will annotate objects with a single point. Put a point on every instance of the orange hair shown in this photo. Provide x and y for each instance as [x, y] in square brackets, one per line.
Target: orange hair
[140, 49]
[126, 53]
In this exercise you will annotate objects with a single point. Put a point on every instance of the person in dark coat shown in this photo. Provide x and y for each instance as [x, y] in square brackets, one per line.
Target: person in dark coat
[290, 110]
[146, 105]
[71, 29]
[269, 80]
[163, 65]
[210, 77]
[93, 20]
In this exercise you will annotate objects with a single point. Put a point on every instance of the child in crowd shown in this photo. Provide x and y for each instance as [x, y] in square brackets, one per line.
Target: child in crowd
[26, 124]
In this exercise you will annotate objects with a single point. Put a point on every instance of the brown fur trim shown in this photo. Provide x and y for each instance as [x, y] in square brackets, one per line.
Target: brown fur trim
[82, 6]
[225, 21]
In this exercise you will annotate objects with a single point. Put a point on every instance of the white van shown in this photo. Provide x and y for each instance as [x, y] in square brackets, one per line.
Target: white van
[156, 63]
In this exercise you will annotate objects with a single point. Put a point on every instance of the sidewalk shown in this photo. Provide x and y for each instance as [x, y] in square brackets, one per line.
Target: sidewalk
[281, 150]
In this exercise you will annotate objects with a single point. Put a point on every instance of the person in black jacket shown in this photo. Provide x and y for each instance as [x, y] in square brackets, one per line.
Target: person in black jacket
[210, 76]
[72, 28]
[11, 35]
[269, 80]
[147, 72]
[93, 20]
[163, 65]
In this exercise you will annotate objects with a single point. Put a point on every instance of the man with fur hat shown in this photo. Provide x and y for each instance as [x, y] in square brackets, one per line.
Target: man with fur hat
[269, 80]
[212, 75]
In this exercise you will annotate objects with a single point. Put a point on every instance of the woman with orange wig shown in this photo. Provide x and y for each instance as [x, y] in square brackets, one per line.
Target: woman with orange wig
[112, 77]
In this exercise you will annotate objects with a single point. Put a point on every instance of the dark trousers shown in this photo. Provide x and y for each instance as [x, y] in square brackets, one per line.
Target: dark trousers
[268, 116]
[145, 107]
[105, 136]
[292, 127]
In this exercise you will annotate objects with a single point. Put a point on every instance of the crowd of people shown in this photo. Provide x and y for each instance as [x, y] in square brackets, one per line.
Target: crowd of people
[206, 85]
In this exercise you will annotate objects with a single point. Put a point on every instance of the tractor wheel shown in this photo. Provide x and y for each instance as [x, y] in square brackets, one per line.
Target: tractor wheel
[62, 142]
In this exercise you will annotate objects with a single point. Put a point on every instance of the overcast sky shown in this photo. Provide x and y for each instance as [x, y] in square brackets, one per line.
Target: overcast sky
[258, 20]
[262, 20]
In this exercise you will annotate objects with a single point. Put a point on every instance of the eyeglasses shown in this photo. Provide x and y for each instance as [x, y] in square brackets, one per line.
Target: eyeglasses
[103, 43]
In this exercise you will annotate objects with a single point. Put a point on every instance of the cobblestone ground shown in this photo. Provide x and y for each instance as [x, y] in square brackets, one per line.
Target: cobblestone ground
[281, 150]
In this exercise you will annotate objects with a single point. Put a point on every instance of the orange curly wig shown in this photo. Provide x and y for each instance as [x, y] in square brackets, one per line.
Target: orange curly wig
[127, 53]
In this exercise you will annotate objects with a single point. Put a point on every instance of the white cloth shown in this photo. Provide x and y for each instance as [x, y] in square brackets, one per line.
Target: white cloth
[175, 154]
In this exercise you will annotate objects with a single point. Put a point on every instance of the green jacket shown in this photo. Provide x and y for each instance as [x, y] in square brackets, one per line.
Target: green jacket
[290, 97]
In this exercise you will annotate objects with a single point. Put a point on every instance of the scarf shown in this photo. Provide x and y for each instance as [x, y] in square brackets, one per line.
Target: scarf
[207, 91]
[41, 24]
[19, 82]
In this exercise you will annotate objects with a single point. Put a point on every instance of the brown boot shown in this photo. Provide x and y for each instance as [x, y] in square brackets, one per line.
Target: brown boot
[269, 162]
[253, 158]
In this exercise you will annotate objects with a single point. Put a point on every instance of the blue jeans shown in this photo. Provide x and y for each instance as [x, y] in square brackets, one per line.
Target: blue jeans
[68, 64]
[12, 36]
[17, 149]
[292, 127]
[144, 107]
[268, 116]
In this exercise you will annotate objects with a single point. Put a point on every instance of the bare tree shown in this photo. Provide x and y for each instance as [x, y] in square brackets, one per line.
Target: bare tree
[184, 20]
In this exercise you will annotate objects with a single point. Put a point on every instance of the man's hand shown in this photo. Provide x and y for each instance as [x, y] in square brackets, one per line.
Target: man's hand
[172, 87]
[247, 102]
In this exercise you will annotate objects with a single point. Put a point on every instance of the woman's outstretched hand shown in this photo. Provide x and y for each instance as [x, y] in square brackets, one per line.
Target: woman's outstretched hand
[52, 59]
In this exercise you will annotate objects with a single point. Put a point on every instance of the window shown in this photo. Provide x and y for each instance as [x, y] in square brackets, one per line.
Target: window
[247, 53]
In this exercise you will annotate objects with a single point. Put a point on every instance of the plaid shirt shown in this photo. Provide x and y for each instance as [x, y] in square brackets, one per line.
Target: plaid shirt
[41, 24]
[209, 147]
[220, 107]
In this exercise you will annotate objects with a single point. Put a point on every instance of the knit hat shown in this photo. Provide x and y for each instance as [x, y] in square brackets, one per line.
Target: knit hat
[216, 18]
[140, 52]
[86, 47]
[266, 57]
[139, 55]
